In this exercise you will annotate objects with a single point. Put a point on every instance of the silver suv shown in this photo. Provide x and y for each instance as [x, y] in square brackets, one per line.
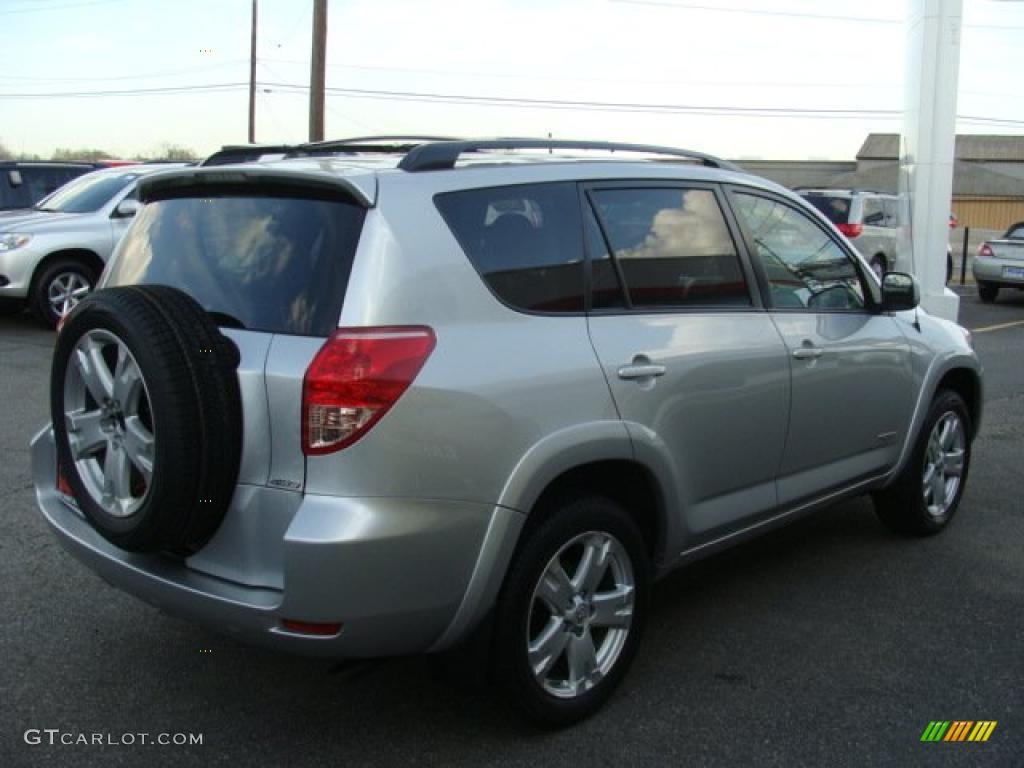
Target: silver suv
[52, 254]
[366, 401]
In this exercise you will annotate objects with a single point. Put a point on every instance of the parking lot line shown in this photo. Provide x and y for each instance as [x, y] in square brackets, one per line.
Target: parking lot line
[1001, 326]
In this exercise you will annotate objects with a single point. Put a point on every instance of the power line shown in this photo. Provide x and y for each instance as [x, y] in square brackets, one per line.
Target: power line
[758, 11]
[527, 102]
[171, 89]
[49, 8]
[796, 15]
[150, 75]
[605, 80]
[587, 105]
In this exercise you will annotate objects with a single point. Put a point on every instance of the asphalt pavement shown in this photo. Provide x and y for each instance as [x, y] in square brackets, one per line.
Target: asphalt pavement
[829, 643]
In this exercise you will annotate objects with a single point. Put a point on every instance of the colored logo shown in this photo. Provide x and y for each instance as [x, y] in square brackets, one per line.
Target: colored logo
[958, 730]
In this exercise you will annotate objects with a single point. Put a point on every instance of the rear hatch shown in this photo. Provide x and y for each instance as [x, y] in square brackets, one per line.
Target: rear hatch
[268, 255]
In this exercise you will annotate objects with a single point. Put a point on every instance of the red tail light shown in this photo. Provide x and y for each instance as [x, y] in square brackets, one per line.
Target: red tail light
[985, 250]
[850, 230]
[311, 628]
[355, 378]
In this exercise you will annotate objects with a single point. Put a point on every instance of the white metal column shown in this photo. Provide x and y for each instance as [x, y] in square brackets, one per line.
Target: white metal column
[927, 146]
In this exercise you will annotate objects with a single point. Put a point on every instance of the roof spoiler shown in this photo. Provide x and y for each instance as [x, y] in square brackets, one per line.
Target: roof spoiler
[194, 181]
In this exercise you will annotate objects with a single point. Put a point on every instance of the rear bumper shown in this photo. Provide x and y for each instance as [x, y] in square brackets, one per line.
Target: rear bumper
[399, 574]
[990, 270]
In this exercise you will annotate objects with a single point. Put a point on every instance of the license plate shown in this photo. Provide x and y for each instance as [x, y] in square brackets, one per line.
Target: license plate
[1017, 272]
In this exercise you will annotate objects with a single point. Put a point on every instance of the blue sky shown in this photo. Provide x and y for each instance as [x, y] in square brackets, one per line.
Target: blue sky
[480, 68]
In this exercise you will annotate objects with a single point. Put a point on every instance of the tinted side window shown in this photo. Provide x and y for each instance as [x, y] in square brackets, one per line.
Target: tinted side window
[1016, 232]
[805, 267]
[525, 241]
[892, 213]
[605, 287]
[837, 209]
[874, 215]
[673, 247]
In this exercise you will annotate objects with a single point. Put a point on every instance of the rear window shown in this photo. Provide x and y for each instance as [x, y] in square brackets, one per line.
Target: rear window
[837, 209]
[525, 241]
[274, 264]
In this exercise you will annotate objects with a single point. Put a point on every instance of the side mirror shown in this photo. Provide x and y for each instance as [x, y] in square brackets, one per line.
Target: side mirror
[899, 292]
[127, 208]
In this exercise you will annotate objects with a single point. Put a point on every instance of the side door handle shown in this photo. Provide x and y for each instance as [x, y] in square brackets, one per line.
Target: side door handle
[807, 352]
[639, 370]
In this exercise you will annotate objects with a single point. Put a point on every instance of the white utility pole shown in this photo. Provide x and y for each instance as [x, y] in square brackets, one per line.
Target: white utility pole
[928, 142]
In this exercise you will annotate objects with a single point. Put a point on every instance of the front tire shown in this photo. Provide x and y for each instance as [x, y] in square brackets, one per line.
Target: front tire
[925, 496]
[58, 289]
[572, 610]
[988, 292]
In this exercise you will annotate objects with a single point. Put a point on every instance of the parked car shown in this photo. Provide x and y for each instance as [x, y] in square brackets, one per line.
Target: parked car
[869, 219]
[52, 254]
[1000, 264]
[385, 404]
[24, 183]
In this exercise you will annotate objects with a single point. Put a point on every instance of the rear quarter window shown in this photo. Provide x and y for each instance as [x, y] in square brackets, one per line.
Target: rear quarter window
[837, 209]
[274, 264]
[525, 241]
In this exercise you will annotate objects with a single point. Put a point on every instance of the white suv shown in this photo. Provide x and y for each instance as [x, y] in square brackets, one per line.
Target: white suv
[870, 220]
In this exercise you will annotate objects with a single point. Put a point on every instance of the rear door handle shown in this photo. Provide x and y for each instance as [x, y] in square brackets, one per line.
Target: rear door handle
[641, 371]
[807, 353]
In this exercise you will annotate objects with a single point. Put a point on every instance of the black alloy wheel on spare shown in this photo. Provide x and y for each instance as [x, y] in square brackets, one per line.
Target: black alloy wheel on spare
[147, 417]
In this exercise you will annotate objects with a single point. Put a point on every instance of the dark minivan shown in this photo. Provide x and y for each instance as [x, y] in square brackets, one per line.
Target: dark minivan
[23, 184]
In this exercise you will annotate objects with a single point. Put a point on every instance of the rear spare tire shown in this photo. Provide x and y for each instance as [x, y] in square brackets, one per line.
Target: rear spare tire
[147, 417]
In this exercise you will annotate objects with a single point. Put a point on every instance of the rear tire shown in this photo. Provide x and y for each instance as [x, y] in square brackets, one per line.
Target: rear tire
[572, 610]
[59, 288]
[878, 266]
[988, 292]
[925, 496]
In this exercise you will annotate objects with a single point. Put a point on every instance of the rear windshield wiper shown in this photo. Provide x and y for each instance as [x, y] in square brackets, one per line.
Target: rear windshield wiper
[224, 320]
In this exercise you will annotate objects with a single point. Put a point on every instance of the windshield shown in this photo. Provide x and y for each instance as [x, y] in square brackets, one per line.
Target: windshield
[275, 264]
[86, 194]
[837, 209]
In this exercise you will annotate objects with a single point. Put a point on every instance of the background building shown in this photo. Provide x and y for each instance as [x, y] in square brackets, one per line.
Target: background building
[988, 176]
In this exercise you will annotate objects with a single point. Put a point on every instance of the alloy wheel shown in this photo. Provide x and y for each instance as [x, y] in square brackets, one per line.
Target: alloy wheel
[578, 625]
[943, 464]
[65, 291]
[108, 415]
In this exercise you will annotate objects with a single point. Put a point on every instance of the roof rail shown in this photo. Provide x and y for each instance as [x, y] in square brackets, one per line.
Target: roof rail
[242, 153]
[442, 155]
[383, 144]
